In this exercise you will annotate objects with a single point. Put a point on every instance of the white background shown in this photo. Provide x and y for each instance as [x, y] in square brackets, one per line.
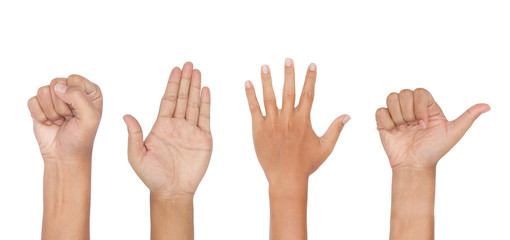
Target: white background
[364, 50]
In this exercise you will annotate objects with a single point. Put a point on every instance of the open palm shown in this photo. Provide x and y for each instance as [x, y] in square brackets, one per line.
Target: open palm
[176, 153]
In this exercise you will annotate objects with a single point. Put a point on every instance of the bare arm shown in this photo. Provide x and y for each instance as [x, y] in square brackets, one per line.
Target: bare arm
[415, 135]
[174, 157]
[288, 149]
[66, 116]
[171, 216]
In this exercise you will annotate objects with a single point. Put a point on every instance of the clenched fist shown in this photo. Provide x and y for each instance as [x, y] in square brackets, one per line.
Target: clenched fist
[66, 117]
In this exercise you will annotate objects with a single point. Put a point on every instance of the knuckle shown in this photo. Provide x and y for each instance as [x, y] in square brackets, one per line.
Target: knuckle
[31, 101]
[195, 86]
[74, 77]
[270, 100]
[174, 81]
[193, 104]
[73, 91]
[182, 96]
[470, 112]
[421, 90]
[392, 97]
[254, 107]
[97, 88]
[308, 94]
[205, 115]
[55, 81]
[289, 93]
[380, 111]
[170, 98]
[43, 90]
[406, 92]
[205, 101]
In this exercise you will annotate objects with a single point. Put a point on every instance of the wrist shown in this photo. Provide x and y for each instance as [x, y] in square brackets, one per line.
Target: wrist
[171, 197]
[413, 191]
[288, 207]
[171, 216]
[414, 169]
[288, 188]
[67, 160]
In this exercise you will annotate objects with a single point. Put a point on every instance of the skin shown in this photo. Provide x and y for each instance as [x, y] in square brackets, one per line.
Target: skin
[174, 157]
[288, 149]
[415, 135]
[66, 116]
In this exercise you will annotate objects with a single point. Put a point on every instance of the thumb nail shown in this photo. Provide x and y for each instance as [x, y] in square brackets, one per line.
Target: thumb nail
[60, 88]
[346, 119]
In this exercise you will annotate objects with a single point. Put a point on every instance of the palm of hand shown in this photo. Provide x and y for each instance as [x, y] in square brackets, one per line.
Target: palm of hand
[415, 146]
[175, 150]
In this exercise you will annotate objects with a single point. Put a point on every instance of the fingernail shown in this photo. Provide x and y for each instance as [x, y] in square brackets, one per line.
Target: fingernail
[312, 67]
[346, 119]
[48, 122]
[265, 69]
[60, 88]
[288, 62]
[422, 124]
[487, 110]
[59, 122]
[402, 127]
[247, 84]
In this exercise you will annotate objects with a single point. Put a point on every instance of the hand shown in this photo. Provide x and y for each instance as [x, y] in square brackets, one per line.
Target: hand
[285, 143]
[66, 116]
[174, 157]
[414, 131]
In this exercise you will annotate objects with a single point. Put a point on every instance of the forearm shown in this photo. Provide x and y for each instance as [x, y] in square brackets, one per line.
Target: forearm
[66, 197]
[412, 204]
[171, 217]
[288, 204]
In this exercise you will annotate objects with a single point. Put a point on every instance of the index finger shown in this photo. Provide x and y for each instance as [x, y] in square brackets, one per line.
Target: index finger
[91, 89]
[61, 107]
[308, 92]
[425, 106]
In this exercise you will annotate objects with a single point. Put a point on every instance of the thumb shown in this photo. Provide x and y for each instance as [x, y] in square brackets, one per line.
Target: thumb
[459, 126]
[78, 100]
[136, 146]
[333, 132]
